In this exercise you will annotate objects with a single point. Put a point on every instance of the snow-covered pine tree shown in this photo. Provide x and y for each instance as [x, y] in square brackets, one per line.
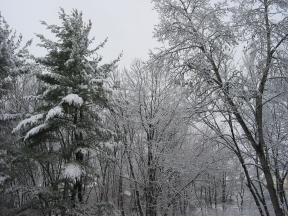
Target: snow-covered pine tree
[68, 122]
[13, 56]
[15, 67]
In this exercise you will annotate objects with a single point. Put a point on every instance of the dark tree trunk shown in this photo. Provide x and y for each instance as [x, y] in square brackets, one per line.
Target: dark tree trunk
[250, 184]
[120, 193]
[270, 184]
[224, 190]
[137, 193]
[215, 192]
[151, 194]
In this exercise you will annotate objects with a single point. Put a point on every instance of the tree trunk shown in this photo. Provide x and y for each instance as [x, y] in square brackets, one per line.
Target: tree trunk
[249, 183]
[270, 184]
[137, 193]
[151, 196]
[120, 192]
[151, 193]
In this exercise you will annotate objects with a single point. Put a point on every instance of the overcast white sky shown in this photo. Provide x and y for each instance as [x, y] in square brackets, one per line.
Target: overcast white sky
[128, 24]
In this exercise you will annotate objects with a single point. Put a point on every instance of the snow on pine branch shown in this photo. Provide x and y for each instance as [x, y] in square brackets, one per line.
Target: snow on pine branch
[49, 75]
[33, 120]
[73, 99]
[54, 112]
[96, 81]
[35, 130]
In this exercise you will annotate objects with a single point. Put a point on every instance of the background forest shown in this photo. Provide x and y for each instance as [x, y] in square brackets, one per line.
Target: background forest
[200, 128]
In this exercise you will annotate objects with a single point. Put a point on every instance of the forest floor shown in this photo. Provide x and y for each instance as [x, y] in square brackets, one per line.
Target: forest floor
[229, 211]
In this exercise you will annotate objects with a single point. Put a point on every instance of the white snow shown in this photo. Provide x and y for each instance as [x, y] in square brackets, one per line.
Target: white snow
[28, 122]
[83, 86]
[54, 112]
[72, 171]
[102, 114]
[45, 72]
[73, 99]
[127, 193]
[55, 146]
[84, 151]
[68, 62]
[8, 79]
[2, 179]
[52, 75]
[110, 145]
[49, 89]
[8, 116]
[96, 80]
[35, 130]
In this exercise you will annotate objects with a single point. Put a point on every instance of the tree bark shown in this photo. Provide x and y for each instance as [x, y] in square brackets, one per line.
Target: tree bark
[151, 196]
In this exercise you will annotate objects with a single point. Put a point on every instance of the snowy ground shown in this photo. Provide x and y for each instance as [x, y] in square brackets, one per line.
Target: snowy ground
[232, 211]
